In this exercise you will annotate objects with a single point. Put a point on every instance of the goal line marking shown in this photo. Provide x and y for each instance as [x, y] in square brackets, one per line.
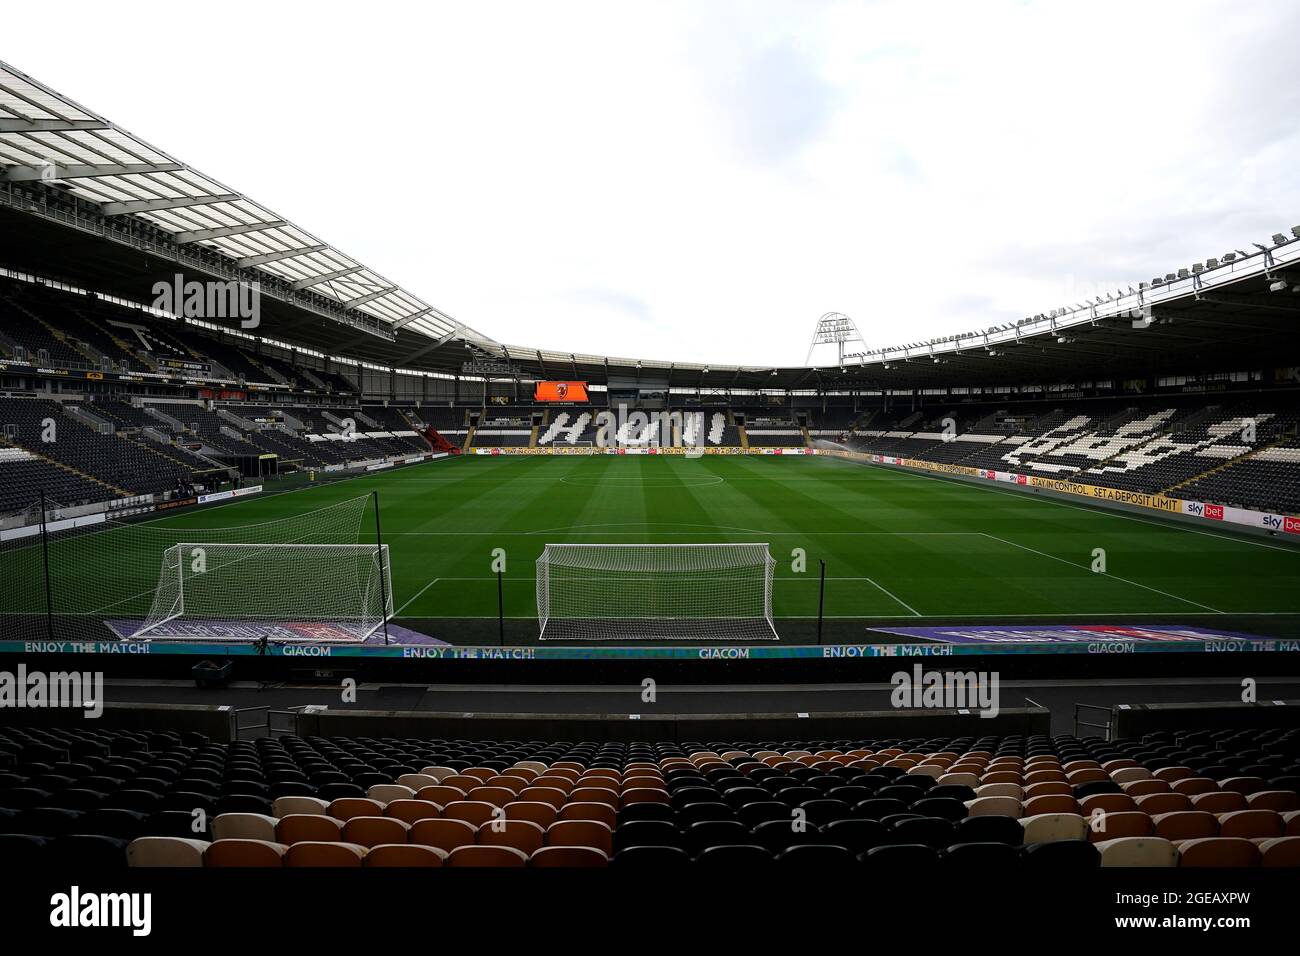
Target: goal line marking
[705, 529]
[420, 592]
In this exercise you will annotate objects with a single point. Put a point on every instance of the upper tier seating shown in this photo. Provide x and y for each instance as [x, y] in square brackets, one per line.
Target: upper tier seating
[769, 431]
[71, 330]
[21, 326]
[335, 381]
[504, 428]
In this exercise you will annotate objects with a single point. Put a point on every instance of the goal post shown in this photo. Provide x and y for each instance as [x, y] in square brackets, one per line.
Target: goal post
[699, 592]
[318, 592]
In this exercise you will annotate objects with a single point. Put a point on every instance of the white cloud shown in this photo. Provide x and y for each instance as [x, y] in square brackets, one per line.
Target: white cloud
[701, 181]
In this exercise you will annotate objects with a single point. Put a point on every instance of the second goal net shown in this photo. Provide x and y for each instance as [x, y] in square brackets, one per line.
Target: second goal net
[610, 592]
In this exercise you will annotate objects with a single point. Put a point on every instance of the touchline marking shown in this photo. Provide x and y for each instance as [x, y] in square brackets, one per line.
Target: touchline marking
[418, 593]
[1099, 511]
[1084, 567]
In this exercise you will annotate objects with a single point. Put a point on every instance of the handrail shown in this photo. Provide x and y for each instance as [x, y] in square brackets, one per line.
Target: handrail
[286, 727]
[241, 727]
[1083, 723]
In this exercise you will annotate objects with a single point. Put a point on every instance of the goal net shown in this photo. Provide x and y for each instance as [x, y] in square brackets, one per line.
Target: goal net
[606, 592]
[339, 592]
[101, 581]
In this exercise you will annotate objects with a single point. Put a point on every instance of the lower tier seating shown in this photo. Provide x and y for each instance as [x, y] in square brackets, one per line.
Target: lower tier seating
[1195, 799]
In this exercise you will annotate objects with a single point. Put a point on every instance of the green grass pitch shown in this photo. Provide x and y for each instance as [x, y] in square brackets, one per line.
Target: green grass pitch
[898, 546]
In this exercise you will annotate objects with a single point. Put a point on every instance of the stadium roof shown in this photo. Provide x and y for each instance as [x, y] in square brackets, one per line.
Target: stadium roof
[1236, 312]
[46, 137]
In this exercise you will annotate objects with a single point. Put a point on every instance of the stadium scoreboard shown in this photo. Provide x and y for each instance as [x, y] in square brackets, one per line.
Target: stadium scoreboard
[560, 392]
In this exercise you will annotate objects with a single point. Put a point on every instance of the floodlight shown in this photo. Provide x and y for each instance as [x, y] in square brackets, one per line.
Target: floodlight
[1277, 286]
[1278, 239]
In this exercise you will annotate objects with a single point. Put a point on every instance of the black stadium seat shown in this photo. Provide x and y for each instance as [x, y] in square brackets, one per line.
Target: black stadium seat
[142, 799]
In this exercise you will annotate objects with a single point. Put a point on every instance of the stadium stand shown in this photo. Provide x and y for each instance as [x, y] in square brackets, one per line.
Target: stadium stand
[199, 422]
[60, 329]
[1267, 479]
[769, 431]
[505, 428]
[1239, 453]
[127, 466]
[568, 427]
[27, 336]
[76, 323]
[124, 414]
[335, 382]
[23, 477]
[1154, 449]
[1200, 798]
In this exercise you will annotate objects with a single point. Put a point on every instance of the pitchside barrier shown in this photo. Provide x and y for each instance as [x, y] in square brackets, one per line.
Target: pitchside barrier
[1044, 641]
[1218, 514]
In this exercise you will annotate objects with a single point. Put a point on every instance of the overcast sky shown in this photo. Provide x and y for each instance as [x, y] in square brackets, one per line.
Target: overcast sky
[700, 181]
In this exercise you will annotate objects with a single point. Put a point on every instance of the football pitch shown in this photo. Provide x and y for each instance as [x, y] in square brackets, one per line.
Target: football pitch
[898, 546]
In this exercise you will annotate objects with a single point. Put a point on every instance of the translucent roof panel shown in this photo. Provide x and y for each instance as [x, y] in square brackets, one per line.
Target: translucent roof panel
[46, 136]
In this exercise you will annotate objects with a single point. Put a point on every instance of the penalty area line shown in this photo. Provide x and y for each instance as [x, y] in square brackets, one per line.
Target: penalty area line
[1104, 574]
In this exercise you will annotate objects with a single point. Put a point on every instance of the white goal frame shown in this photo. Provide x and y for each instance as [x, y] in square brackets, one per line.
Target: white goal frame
[718, 592]
[345, 586]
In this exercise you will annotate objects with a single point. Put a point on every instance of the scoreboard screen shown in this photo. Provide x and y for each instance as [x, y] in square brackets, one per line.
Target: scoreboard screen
[560, 392]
